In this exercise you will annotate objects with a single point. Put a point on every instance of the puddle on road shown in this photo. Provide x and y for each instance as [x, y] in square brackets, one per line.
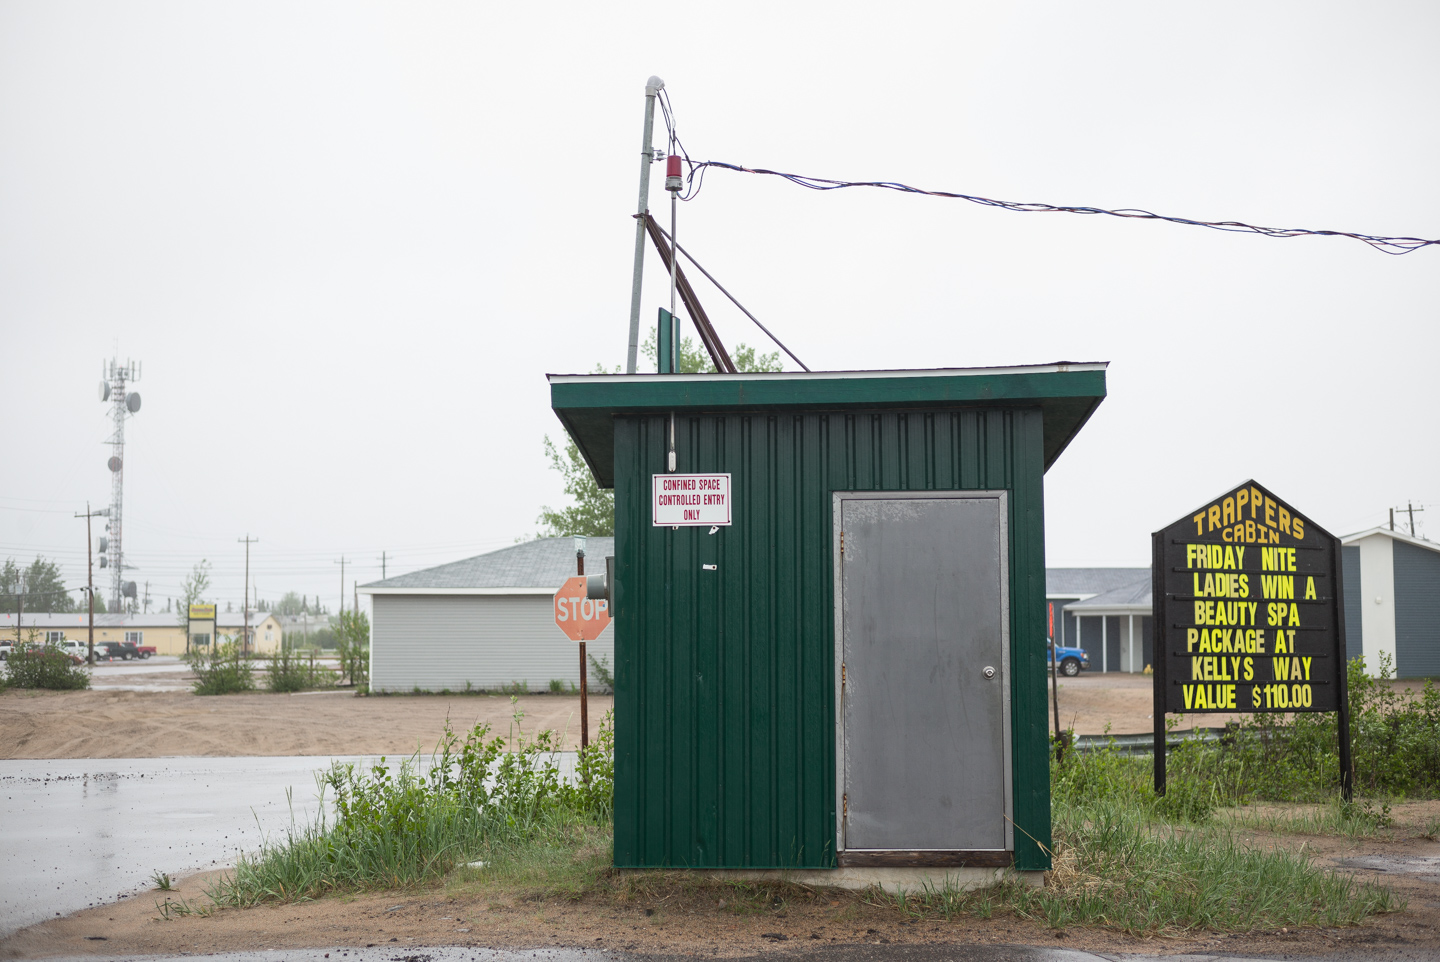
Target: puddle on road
[1415, 866]
[84, 832]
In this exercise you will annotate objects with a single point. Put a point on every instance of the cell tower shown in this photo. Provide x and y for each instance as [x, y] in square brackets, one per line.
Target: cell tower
[115, 379]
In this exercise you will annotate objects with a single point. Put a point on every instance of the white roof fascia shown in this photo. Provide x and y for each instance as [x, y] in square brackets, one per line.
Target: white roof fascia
[1074, 595]
[459, 591]
[1397, 535]
[1060, 368]
[1108, 610]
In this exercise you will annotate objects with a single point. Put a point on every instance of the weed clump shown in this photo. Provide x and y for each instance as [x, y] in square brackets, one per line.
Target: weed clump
[219, 670]
[32, 665]
[400, 825]
[288, 670]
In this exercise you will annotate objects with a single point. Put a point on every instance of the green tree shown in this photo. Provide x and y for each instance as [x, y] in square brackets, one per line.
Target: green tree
[44, 587]
[592, 512]
[352, 644]
[289, 604]
[694, 359]
[193, 588]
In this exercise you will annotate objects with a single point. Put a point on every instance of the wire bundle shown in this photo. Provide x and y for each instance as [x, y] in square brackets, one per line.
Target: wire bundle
[1388, 245]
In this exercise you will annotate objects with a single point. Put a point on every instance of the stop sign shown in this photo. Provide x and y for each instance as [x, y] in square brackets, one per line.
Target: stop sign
[581, 618]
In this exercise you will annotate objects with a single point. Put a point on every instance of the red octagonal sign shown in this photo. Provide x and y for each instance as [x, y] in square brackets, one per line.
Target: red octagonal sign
[581, 618]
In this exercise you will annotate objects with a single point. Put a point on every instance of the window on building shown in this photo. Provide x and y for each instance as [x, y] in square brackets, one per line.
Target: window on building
[137, 637]
[54, 637]
[202, 638]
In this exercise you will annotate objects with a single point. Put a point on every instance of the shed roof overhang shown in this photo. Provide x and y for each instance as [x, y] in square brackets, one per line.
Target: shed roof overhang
[1066, 393]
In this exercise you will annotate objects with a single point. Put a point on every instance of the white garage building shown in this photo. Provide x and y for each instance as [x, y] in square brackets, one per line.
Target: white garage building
[485, 621]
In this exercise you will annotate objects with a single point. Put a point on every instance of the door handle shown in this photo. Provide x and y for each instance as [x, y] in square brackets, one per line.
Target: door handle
[988, 672]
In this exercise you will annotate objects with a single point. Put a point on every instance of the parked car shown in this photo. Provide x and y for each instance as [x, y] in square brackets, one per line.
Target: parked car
[1072, 660]
[76, 648]
[145, 650]
[76, 655]
[116, 650]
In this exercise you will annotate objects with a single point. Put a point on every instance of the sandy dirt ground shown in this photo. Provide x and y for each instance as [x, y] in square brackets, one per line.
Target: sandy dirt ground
[150, 724]
[112, 723]
[658, 912]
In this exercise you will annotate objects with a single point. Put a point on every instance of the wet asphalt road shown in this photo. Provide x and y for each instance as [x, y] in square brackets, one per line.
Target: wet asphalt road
[83, 832]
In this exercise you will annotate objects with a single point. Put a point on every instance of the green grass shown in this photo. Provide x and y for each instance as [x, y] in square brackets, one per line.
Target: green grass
[1120, 865]
[1355, 820]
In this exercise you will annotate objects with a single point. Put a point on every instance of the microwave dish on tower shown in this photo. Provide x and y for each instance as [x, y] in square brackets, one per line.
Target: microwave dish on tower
[114, 388]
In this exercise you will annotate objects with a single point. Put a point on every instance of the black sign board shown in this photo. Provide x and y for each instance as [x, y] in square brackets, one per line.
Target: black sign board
[1247, 614]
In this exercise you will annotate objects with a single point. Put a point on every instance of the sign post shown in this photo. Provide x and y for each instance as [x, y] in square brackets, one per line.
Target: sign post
[1247, 594]
[580, 618]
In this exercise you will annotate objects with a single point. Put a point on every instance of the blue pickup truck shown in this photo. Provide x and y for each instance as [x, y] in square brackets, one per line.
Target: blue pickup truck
[1071, 660]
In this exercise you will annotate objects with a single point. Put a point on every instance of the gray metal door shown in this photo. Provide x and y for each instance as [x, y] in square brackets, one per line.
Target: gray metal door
[923, 642]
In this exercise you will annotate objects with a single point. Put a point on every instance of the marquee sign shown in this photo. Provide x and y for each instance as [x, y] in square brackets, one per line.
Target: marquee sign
[1247, 611]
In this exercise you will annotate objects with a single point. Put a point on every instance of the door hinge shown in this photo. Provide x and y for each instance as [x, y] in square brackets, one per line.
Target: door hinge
[842, 674]
[844, 806]
[842, 544]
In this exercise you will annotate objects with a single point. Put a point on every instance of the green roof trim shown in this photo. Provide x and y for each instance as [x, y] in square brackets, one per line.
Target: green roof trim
[586, 404]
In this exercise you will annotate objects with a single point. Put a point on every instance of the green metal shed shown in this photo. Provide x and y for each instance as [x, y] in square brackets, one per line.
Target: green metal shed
[745, 723]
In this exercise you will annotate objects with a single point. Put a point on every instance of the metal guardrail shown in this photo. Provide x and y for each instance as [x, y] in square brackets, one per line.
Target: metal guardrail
[1143, 743]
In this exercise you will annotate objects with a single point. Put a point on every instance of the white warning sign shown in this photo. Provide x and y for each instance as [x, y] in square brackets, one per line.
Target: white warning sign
[690, 499]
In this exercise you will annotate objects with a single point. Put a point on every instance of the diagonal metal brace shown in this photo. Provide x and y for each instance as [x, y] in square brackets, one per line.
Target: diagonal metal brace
[718, 355]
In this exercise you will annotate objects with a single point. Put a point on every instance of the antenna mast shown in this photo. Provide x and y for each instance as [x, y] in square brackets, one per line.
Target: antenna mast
[114, 387]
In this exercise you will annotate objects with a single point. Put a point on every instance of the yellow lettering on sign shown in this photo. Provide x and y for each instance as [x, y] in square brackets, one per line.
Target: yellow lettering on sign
[1299, 527]
[1191, 636]
[1309, 589]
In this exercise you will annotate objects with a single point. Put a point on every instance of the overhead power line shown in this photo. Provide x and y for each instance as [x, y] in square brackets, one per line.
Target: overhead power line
[1388, 245]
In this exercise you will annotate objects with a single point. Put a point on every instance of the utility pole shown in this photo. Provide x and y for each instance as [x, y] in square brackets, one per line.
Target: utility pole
[90, 576]
[247, 541]
[584, 673]
[653, 86]
[146, 606]
[341, 563]
[382, 566]
[1409, 509]
[20, 607]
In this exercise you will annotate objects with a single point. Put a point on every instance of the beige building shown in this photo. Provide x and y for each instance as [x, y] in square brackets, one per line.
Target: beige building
[165, 631]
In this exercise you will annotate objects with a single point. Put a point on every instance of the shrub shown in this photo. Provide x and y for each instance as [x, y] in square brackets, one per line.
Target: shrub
[1394, 744]
[290, 670]
[219, 670]
[33, 665]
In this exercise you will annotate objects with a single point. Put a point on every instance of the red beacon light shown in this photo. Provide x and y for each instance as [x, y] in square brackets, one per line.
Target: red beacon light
[672, 172]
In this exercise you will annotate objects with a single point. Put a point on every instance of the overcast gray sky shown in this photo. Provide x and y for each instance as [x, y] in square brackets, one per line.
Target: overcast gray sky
[348, 240]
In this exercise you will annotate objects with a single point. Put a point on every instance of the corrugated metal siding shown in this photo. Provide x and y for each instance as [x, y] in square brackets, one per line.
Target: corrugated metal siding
[1417, 612]
[725, 734]
[1352, 602]
[435, 642]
